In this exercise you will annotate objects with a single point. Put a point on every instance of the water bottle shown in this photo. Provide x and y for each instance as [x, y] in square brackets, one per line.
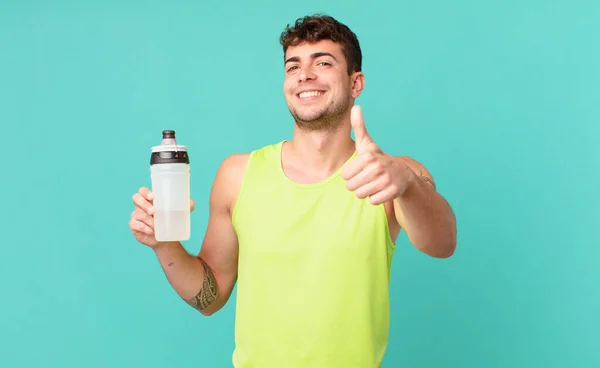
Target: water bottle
[170, 176]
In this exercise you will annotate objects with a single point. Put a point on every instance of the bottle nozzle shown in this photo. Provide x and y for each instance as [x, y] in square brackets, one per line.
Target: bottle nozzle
[168, 138]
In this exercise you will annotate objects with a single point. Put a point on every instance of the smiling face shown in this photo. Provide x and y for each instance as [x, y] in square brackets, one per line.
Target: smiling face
[317, 88]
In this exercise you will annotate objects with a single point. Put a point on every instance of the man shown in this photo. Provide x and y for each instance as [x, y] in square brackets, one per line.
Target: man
[307, 227]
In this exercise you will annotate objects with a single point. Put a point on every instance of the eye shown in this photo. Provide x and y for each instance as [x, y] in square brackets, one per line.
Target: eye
[323, 63]
[292, 68]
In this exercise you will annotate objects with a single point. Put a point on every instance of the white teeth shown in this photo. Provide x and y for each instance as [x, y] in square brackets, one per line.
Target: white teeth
[310, 94]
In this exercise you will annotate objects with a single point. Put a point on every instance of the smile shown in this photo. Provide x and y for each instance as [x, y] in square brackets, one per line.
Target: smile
[308, 94]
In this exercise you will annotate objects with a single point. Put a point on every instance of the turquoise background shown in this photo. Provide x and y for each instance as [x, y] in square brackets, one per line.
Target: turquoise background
[500, 100]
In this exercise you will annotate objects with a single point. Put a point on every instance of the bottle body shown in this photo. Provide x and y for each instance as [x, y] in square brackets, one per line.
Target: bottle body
[171, 189]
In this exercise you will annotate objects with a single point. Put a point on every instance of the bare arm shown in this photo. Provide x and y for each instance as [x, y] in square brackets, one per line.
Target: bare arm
[425, 215]
[204, 281]
[188, 274]
[405, 185]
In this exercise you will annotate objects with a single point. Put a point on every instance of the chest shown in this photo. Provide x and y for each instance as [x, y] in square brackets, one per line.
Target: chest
[297, 224]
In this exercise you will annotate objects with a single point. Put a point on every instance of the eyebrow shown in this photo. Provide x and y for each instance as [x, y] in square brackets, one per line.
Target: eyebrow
[313, 56]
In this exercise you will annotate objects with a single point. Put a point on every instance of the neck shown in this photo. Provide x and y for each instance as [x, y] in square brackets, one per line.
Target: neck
[316, 155]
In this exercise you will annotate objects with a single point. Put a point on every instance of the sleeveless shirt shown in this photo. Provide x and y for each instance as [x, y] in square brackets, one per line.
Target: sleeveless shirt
[313, 271]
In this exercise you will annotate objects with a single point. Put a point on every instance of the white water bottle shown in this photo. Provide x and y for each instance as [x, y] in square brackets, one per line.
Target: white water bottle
[170, 175]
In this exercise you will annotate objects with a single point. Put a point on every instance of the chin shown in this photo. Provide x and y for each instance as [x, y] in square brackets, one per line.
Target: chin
[307, 115]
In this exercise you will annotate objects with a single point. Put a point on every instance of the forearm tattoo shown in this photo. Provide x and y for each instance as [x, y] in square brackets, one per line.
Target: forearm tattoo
[426, 179]
[208, 293]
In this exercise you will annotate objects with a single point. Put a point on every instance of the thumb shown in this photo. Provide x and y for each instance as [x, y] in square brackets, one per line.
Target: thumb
[360, 131]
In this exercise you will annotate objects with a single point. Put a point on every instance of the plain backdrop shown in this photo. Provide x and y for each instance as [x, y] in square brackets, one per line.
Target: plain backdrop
[499, 99]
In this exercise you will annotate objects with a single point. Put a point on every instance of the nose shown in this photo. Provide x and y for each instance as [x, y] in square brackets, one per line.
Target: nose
[306, 74]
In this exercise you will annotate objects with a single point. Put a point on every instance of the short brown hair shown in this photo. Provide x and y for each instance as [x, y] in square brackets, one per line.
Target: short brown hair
[314, 28]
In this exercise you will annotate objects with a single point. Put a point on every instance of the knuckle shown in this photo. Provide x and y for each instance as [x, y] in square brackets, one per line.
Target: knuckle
[360, 194]
[148, 230]
[137, 198]
[149, 221]
[388, 178]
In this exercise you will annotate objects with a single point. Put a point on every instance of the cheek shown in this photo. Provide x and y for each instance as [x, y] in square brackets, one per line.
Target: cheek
[288, 85]
[287, 93]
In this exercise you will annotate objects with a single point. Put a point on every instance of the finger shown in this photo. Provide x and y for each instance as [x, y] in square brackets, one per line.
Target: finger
[360, 131]
[369, 171]
[365, 176]
[355, 166]
[146, 193]
[140, 215]
[140, 227]
[192, 205]
[143, 203]
[370, 147]
[382, 196]
[370, 188]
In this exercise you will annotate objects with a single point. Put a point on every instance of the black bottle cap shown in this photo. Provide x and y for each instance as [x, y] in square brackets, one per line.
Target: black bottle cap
[169, 152]
[169, 157]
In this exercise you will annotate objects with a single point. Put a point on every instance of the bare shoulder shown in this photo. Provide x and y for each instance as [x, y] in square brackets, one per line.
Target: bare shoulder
[236, 163]
[228, 179]
[232, 169]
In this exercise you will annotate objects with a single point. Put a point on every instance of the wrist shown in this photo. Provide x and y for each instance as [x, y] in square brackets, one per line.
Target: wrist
[411, 182]
[161, 247]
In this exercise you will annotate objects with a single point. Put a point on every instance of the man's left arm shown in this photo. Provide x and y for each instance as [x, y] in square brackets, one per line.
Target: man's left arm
[423, 213]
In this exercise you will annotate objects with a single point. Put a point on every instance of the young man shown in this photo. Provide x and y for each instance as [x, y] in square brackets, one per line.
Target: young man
[307, 227]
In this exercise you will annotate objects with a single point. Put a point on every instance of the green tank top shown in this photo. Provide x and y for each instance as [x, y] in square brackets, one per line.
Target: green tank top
[313, 272]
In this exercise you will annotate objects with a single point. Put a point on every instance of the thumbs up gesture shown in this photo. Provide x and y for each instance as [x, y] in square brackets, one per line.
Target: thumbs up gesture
[373, 173]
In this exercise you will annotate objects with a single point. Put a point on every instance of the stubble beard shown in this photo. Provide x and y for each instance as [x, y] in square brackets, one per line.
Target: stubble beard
[326, 119]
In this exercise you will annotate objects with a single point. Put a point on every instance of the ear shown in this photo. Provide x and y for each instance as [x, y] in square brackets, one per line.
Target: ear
[358, 83]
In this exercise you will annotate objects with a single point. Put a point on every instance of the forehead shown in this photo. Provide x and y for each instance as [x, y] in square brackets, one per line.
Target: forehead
[304, 50]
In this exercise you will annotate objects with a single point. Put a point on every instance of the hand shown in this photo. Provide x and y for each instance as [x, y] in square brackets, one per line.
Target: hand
[373, 173]
[142, 218]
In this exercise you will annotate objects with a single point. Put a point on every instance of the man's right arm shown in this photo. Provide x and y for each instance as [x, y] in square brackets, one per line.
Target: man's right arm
[207, 280]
